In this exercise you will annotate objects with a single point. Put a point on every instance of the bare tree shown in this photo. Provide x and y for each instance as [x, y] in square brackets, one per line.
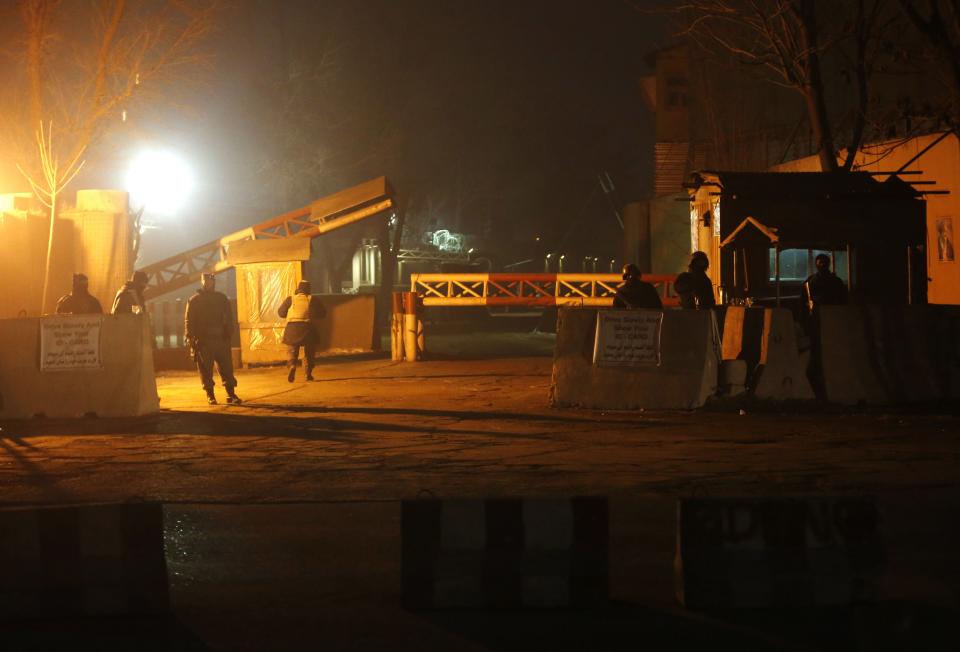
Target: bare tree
[787, 41]
[83, 66]
[938, 22]
[80, 67]
[47, 188]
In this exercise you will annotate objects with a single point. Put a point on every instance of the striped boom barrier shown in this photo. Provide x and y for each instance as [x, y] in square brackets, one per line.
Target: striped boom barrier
[505, 553]
[82, 561]
[772, 552]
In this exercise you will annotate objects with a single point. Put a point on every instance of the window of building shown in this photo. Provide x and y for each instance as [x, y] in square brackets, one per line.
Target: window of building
[798, 264]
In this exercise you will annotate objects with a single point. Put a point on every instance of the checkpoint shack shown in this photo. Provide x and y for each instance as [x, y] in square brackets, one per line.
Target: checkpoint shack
[762, 232]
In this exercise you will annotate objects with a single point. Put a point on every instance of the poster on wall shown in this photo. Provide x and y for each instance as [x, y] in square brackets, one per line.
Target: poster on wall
[945, 247]
[70, 342]
[627, 338]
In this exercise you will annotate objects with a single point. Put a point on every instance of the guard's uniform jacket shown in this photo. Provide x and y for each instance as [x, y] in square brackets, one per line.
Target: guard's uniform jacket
[128, 300]
[636, 294]
[300, 310]
[825, 289]
[77, 303]
[209, 324]
[695, 290]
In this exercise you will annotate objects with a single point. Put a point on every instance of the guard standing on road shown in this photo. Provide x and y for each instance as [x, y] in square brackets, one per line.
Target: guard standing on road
[694, 286]
[129, 298]
[79, 301]
[300, 311]
[635, 293]
[208, 326]
[824, 288]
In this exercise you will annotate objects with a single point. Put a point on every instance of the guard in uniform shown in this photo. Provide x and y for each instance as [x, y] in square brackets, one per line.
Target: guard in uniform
[300, 311]
[824, 288]
[207, 328]
[129, 298]
[79, 301]
[694, 286]
[635, 293]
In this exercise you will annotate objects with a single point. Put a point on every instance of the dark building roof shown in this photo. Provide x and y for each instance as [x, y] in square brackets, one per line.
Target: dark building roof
[805, 185]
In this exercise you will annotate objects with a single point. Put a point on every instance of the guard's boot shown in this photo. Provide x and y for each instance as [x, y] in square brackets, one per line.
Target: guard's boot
[309, 374]
[232, 397]
[211, 398]
[291, 374]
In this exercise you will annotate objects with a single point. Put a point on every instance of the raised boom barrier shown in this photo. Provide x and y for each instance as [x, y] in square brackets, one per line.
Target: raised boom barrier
[544, 290]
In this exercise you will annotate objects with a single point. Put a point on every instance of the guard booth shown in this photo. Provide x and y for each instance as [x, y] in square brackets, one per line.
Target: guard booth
[762, 232]
[268, 271]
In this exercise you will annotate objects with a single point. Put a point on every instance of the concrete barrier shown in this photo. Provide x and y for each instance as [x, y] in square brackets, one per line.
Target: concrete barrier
[81, 561]
[123, 384]
[770, 552]
[505, 553]
[684, 378]
[765, 339]
[889, 354]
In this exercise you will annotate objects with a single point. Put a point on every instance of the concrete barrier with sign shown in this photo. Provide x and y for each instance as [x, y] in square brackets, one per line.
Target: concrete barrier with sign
[613, 359]
[76, 365]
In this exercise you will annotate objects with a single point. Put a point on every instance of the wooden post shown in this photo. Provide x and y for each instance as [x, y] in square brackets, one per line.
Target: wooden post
[410, 334]
[396, 327]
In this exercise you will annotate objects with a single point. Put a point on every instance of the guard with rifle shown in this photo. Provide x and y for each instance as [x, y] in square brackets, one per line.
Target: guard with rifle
[208, 327]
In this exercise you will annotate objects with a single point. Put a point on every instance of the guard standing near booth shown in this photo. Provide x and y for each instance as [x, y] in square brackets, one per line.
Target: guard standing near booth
[824, 288]
[208, 326]
[129, 298]
[635, 293]
[79, 301]
[694, 286]
[300, 310]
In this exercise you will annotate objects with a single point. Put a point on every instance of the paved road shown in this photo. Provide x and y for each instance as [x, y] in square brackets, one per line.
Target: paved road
[376, 430]
[283, 513]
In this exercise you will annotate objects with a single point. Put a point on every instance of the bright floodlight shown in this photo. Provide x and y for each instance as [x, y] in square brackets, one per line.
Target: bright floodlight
[160, 181]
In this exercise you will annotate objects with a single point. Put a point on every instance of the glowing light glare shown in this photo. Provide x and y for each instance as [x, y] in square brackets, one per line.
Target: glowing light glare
[160, 181]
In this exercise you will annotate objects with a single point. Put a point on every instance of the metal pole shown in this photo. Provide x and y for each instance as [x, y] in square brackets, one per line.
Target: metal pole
[849, 269]
[777, 265]
[909, 277]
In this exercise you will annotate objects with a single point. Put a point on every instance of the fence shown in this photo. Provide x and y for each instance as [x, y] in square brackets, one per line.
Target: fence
[545, 290]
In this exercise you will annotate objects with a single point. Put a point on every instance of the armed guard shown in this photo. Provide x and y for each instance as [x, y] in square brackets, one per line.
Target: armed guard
[301, 310]
[129, 298]
[824, 288]
[635, 293]
[694, 286]
[79, 301]
[208, 326]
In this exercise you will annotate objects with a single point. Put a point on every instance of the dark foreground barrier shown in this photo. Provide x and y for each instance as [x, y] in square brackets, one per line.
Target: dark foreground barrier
[774, 552]
[889, 354]
[504, 553]
[79, 561]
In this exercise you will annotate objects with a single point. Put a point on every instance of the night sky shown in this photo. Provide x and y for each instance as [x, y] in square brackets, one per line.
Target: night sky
[489, 117]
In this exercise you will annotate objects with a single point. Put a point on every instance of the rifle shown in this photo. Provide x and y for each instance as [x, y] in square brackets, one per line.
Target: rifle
[194, 345]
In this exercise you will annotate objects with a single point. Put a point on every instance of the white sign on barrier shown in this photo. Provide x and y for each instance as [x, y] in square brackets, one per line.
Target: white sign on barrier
[70, 342]
[627, 338]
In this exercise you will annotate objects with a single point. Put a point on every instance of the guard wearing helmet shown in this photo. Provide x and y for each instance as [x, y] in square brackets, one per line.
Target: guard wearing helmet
[129, 298]
[301, 310]
[79, 301]
[208, 326]
[635, 293]
[694, 286]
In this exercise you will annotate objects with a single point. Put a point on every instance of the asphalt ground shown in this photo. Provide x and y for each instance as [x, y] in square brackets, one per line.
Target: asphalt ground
[283, 513]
